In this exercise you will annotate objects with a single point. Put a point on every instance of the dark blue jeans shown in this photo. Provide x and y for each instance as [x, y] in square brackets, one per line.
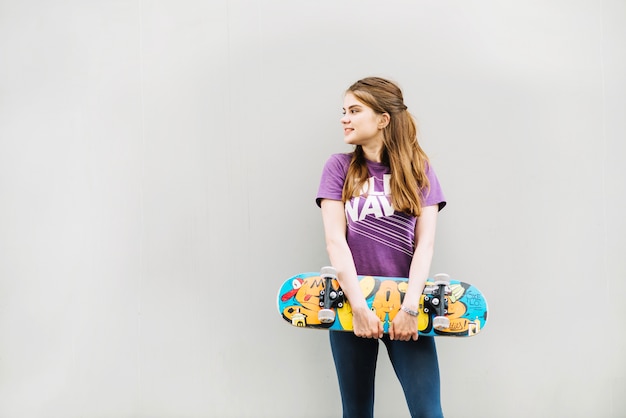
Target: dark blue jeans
[415, 364]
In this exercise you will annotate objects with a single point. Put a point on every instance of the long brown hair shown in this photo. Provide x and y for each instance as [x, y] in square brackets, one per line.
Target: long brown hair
[401, 150]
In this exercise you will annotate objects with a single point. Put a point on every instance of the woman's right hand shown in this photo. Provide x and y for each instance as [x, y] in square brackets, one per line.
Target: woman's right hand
[366, 324]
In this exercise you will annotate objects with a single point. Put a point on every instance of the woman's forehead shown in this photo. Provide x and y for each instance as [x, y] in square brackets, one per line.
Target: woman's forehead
[351, 100]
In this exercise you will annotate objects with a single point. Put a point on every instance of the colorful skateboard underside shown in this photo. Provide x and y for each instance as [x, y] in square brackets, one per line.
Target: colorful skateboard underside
[299, 298]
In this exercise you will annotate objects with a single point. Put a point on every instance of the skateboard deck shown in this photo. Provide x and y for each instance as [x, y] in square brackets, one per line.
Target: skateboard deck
[447, 307]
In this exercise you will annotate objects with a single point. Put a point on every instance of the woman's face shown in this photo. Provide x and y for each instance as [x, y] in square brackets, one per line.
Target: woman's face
[361, 125]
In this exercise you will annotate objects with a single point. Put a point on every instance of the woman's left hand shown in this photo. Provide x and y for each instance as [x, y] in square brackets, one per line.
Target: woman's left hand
[403, 327]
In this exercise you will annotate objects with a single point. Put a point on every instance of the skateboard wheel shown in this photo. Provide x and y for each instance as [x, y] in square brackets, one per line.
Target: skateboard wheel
[442, 277]
[328, 271]
[326, 316]
[441, 322]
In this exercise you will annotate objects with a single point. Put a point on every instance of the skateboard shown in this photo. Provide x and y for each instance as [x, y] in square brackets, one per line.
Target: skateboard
[447, 307]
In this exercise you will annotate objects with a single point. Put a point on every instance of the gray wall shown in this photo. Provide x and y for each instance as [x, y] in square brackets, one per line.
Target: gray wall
[158, 164]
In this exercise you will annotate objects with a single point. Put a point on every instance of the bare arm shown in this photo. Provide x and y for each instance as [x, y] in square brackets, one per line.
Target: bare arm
[403, 326]
[366, 323]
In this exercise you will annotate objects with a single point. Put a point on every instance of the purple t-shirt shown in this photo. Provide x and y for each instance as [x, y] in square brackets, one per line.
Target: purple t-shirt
[381, 239]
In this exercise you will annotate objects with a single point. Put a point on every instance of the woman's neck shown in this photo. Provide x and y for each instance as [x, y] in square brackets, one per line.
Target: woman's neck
[373, 153]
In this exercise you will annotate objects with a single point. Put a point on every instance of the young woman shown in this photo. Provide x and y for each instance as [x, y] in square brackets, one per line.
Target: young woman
[379, 208]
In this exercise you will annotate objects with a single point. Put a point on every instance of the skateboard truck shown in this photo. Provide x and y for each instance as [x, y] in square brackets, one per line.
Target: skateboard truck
[435, 301]
[329, 297]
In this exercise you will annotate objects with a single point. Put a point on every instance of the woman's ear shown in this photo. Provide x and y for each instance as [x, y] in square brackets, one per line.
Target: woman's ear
[383, 120]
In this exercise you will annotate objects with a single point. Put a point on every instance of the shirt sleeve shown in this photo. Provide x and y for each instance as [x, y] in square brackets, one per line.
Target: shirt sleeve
[333, 177]
[434, 195]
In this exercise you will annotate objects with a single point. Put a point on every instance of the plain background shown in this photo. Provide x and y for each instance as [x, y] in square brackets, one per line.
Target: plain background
[158, 167]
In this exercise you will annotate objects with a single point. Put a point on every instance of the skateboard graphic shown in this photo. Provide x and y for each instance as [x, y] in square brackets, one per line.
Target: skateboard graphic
[447, 307]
